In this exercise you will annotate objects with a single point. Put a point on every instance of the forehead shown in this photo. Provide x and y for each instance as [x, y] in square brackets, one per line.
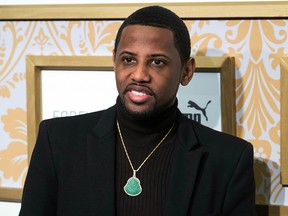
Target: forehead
[146, 36]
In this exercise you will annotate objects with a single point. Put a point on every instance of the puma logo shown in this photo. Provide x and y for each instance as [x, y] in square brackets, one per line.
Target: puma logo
[192, 104]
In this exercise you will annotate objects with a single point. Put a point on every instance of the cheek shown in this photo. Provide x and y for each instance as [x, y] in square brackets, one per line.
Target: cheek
[168, 87]
[173, 86]
[121, 81]
[119, 77]
[174, 80]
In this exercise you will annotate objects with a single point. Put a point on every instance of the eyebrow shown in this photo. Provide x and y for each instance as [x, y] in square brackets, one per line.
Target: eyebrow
[151, 56]
[160, 55]
[126, 52]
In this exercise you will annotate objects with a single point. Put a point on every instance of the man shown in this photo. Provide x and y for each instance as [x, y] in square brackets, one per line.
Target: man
[141, 156]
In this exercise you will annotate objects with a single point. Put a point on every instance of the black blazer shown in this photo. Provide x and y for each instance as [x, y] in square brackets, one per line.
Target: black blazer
[72, 170]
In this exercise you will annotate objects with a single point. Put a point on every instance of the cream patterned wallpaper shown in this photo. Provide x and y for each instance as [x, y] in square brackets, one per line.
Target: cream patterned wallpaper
[257, 46]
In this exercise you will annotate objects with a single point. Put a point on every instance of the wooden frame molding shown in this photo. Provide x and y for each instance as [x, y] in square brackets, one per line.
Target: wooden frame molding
[11, 194]
[284, 121]
[195, 10]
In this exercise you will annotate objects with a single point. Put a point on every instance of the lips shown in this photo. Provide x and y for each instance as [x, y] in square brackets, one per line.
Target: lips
[138, 94]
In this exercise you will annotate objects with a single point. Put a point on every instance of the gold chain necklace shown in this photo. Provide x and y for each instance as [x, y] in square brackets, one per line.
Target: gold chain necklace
[133, 185]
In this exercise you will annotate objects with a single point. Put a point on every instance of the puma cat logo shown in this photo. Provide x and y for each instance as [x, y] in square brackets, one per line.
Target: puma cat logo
[192, 104]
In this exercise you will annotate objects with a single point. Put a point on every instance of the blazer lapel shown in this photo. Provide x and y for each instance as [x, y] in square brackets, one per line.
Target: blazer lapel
[101, 165]
[183, 175]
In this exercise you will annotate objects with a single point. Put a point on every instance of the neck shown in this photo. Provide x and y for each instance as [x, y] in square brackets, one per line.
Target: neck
[148, 129]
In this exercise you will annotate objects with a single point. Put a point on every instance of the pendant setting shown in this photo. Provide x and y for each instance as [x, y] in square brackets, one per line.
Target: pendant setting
[133, 186]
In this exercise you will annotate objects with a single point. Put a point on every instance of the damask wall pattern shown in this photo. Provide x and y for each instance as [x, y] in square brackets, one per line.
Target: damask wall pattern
[257, 46]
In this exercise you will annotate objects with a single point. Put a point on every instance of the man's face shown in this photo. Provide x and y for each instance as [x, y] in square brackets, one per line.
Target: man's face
[148, 69]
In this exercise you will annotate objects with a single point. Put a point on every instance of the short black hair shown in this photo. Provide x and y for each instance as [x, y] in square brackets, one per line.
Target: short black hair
[164, 18]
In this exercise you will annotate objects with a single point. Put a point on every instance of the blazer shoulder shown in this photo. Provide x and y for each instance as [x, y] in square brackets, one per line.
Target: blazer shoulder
[71, 124]
[216, 140]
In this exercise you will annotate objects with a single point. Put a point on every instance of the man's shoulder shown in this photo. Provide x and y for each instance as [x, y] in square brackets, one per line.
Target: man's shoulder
[221, 149]
[83, 121]
[212, 139]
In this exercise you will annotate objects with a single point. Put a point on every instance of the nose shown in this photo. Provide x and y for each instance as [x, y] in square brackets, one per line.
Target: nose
[141, 73]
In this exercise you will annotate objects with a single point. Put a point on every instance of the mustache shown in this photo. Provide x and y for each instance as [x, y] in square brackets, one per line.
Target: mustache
[139, 87]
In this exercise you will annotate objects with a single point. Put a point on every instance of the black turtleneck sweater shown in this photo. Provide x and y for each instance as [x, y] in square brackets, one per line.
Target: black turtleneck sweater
[141, 136]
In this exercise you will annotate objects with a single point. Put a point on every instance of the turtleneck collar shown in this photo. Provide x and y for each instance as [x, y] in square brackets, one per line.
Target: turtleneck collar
[155, 125]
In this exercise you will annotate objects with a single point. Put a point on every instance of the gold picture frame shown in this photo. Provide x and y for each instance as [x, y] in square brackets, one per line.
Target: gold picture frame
[35, 64]
[284, 121]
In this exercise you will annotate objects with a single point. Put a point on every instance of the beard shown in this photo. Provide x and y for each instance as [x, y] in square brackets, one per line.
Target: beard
[139, 115]
[145, 115]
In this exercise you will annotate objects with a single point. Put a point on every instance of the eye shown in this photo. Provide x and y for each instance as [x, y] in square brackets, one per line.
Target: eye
[128, 60]
[157, 62]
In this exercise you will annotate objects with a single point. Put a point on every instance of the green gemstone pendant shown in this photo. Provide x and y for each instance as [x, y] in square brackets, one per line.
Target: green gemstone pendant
[133, 186]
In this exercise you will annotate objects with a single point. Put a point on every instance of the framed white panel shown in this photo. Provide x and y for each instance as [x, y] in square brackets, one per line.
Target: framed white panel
[201, 99]
[76, 92]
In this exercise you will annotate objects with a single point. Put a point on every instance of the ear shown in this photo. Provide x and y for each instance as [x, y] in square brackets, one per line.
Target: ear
[188, 71]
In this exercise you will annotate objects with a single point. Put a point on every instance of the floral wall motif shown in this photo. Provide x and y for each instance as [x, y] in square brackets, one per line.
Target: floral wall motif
[257, 46]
